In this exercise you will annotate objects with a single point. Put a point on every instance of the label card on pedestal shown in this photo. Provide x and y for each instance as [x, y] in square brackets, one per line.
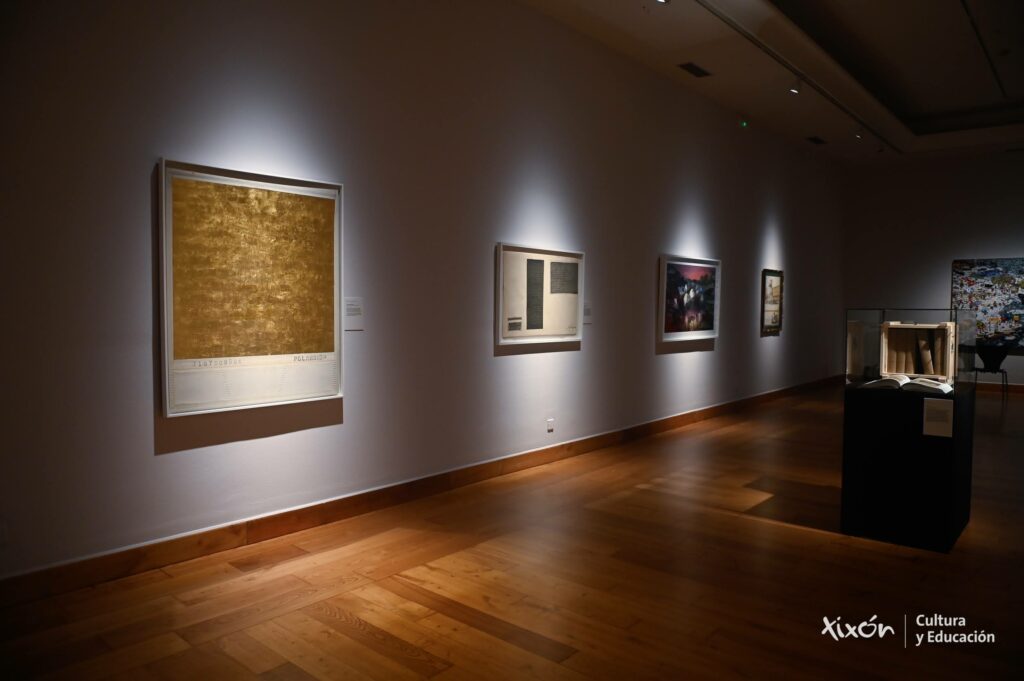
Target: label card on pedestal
[938, 418]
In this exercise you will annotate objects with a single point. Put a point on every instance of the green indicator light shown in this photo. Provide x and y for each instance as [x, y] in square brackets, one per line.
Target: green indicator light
[744, 124]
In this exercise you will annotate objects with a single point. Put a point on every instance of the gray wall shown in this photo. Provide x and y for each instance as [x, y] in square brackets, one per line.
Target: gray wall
[905, 225]
[452, 125]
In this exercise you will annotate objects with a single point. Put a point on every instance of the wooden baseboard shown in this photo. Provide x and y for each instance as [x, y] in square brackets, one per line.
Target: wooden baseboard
[998, 388]
[131, 561]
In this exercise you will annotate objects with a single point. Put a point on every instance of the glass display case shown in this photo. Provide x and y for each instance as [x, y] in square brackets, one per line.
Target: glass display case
[935, 344]
[908, 425]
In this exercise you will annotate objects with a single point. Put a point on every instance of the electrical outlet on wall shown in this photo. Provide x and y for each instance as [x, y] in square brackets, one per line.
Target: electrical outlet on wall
[551, 425]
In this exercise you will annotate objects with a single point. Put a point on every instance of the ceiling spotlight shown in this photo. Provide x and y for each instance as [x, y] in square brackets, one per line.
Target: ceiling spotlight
[859, 134]
[662, 2]
[795, 87]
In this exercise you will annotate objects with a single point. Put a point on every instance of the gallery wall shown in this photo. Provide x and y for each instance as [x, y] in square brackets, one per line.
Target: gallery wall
[906, 224]
[452, 126]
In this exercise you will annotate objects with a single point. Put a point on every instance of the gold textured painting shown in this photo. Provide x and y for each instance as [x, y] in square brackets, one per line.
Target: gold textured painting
[251, 292]
[253, 271]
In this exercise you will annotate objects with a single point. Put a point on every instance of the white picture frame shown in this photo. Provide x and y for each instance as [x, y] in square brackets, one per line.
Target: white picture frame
[238, 357]
[692, 303]
[772, 298]
[528, 311]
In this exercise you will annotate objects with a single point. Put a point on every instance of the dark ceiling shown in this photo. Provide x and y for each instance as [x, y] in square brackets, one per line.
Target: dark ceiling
[938, 65]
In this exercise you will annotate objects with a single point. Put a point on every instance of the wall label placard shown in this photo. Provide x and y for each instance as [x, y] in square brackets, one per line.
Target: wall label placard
[354, 312]
[938, 418]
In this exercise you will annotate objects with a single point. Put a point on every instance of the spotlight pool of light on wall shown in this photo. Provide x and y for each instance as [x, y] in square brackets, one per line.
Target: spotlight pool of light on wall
[771, 242]
[258, 121]
[681, 376]
[257, 132]
[540, 212]
[547, 381]
[689, 236]
[769, 357]
[538, 215]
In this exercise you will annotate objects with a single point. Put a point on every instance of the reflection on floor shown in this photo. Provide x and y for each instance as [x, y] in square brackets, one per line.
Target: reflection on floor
[707, 552]
[798, 503]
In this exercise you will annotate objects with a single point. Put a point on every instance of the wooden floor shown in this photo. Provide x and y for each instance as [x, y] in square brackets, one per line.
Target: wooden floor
[706, 552]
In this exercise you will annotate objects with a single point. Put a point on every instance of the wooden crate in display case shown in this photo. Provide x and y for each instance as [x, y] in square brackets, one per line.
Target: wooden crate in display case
[919, 350]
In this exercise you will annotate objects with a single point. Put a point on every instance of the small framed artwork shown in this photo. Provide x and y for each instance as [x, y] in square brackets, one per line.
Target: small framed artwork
[771, 302]
[251, 289]
[538, 295]
[688, 298]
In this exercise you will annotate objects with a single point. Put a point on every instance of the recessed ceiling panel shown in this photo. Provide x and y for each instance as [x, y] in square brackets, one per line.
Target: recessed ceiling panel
[663, 27]
[911, 76]
[938, 65]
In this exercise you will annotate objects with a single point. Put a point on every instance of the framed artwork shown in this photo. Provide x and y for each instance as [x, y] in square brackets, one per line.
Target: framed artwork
[688, 298]
[251, 289]
[994, 288]
[538, 295]
[771, 302]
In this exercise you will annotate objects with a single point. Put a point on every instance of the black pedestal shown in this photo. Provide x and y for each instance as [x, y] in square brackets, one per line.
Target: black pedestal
[900, 485]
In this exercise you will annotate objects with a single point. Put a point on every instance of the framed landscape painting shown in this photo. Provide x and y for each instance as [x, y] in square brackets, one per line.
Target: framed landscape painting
[771, 302]
[251, 289]
[688, 298]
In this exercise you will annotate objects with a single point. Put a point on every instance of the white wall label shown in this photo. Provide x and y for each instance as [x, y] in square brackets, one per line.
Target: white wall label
[354, 314]
[588, 313]
[938, 418]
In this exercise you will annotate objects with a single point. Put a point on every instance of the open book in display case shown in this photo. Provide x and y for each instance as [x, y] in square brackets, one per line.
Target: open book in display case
[908, 425]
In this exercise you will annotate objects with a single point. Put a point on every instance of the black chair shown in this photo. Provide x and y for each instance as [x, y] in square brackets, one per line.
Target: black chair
[992, 357]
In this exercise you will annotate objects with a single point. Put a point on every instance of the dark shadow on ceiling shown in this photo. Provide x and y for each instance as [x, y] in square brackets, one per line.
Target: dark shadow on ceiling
[989, 32]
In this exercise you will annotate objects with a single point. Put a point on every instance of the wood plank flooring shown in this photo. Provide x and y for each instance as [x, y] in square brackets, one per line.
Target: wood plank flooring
[706, 552]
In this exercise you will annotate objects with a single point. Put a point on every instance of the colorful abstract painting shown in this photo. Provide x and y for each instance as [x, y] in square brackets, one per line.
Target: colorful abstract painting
[995, 289]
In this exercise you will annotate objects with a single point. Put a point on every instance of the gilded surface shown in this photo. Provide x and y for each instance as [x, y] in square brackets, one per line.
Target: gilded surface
[253, 271]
